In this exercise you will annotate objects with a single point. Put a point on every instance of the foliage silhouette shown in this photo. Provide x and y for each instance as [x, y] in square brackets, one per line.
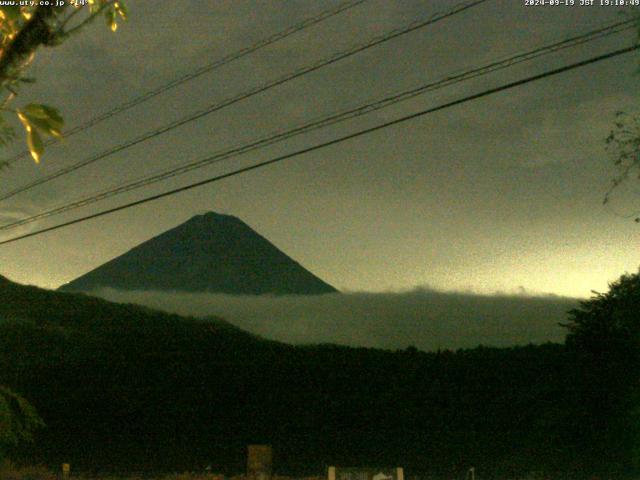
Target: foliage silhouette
[18, 421]
[125, 388]
[604, 336]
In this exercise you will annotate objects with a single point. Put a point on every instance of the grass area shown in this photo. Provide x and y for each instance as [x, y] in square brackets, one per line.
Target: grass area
[10, 472]
[42, 473]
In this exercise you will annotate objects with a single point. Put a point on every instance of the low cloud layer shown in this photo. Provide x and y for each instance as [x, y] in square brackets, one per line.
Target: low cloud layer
[424, 318]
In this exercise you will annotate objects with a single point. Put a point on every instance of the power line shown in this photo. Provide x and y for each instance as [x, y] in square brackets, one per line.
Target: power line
[265, 42]
[335, 141]
[243, 96]
[329, 120]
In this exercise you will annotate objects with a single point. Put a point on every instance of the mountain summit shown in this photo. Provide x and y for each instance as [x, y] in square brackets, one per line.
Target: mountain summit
[208, 253]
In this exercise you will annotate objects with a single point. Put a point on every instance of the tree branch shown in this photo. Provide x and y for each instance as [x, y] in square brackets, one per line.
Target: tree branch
[35, 32]
[87, 20]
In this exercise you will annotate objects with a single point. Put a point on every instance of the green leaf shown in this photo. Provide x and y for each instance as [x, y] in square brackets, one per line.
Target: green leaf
[122, 9]
[94, 6]
[53, 114]
[43, 117]
[11, 13]
[34, 142]
[110, 16]
[23, 119]
[35, 110]
[44, 126]
[18, 418]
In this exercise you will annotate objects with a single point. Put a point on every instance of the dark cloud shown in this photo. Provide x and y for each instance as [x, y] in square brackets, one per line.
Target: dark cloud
[425, 318]
[494, 193]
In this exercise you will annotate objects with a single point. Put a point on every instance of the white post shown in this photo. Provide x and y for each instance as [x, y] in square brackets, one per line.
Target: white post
[399, 473]
[331, 474]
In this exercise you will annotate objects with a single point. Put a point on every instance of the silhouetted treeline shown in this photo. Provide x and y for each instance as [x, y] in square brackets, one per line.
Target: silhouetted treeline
[124, 388]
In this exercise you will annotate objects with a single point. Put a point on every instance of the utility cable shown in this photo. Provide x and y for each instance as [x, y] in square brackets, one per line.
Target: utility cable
[276, 37]
[243, 96]
[326, 121]
[335, 141]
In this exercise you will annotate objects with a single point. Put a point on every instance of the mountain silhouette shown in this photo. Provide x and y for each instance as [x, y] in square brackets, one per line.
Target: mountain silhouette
[208, 253]
[126, 389]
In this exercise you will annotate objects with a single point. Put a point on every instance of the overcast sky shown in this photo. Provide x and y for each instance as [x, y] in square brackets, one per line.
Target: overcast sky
[497, 194]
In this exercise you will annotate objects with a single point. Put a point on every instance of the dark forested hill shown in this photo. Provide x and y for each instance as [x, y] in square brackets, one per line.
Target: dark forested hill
[126, 388]
[208, 253]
